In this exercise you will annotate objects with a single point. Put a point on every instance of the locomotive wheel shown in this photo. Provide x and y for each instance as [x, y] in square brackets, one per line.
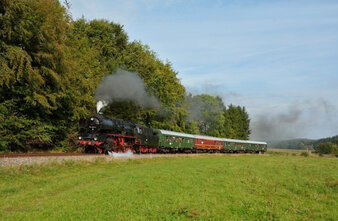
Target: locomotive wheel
[108, 145]
[136, 149]
[99, 150]
[87, 149]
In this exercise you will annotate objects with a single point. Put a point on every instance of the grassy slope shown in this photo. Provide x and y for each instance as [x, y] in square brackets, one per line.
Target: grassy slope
[209, 187]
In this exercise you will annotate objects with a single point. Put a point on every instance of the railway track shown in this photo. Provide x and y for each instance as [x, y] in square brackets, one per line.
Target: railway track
[19, 159]
[23, 155]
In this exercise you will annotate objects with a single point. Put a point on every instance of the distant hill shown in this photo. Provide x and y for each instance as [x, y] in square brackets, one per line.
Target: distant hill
[301, 143]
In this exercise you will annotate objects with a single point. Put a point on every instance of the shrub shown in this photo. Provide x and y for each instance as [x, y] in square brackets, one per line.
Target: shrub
[327, 148]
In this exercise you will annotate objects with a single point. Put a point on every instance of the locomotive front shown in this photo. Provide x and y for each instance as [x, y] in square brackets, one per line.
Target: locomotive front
[90, 136]
[100, 134]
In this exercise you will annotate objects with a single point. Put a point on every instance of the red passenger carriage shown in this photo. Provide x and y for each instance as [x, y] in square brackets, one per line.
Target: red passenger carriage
[206, 143]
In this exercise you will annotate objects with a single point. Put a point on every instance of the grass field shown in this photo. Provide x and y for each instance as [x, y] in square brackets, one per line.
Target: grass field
[213, 187]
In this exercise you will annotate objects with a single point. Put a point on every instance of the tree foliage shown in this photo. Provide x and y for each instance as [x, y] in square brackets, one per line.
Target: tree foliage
[35, 93]
[211, 117]
[327, 148]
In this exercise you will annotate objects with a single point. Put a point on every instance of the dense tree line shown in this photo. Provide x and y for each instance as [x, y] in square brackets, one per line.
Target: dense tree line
[51, 65]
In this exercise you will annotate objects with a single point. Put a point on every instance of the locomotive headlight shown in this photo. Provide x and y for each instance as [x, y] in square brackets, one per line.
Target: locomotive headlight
[80, 138]
[95, 138]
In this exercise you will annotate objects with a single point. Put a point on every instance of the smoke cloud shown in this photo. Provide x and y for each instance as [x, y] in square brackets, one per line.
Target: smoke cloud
[195, 111]
[278, 126]
[298, 121]
[124, 86]
[198, 107]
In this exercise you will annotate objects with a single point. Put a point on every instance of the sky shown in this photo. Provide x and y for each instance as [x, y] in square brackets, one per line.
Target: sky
[279, 59]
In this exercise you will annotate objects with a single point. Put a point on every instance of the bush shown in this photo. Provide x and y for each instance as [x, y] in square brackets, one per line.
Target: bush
[327, 148]
[304, 154]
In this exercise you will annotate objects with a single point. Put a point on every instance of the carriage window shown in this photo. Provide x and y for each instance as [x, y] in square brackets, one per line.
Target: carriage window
[166, 139]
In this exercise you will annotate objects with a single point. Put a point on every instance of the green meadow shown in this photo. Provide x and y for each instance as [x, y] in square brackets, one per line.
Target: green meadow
[207, 187]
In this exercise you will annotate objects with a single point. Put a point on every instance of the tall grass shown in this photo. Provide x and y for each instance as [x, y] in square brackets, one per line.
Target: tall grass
[247, 187]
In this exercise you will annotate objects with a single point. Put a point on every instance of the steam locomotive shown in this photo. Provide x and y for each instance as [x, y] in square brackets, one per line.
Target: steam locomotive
[102, 134]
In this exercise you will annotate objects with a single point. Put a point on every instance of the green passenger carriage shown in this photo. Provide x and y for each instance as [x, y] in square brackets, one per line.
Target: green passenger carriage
[170, 141]
[236, 146]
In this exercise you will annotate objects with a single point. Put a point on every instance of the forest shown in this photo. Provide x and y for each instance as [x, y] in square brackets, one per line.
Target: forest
[51, 65]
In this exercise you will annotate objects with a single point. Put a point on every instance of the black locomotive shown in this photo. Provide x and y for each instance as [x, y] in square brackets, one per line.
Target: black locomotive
[100, 134]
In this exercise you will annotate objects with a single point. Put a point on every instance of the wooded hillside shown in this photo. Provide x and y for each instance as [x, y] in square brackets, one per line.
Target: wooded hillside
[302, 144]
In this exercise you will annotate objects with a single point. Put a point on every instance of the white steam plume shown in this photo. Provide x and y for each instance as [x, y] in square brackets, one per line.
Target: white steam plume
[128, 154]
[100, 105]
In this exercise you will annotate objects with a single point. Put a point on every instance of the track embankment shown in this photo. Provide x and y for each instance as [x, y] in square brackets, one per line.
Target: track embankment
[14, 155]
[16, 159]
